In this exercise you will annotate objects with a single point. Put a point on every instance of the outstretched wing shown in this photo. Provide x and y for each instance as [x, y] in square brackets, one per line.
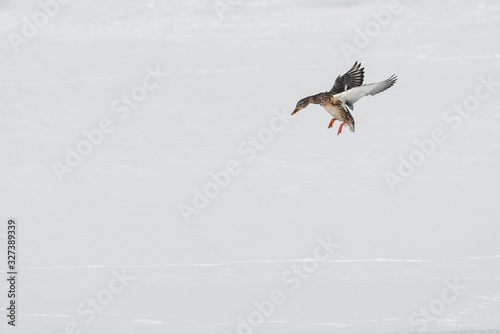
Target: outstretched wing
[353, 78]
[354, 94]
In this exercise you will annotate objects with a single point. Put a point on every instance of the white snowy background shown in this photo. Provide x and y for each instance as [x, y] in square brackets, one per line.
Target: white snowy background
[229, 73]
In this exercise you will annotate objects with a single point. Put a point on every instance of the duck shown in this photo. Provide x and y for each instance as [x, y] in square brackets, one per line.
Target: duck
[347, 90]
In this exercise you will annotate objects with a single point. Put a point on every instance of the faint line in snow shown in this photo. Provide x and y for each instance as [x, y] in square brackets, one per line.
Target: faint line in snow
[333, 324]
[239, 262]
[293, 278]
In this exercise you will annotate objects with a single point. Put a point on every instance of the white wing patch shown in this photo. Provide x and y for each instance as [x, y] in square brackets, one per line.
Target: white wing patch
[354, 94]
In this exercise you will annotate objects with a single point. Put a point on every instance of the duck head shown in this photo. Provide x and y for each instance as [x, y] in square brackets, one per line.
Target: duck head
[302, 104]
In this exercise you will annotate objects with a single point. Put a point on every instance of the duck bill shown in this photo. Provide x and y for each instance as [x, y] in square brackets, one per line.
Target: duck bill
[295, 111]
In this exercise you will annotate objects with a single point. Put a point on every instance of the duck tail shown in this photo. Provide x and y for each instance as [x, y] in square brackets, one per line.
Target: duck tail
[351, 126]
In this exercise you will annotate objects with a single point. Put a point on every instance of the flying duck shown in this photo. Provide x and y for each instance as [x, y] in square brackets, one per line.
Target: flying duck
[347, 90]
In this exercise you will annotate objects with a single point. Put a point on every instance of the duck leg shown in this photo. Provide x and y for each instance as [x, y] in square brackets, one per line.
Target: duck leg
[340, 128]
[331, 122]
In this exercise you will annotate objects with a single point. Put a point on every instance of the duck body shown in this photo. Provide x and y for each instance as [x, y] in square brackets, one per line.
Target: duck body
[336, 107]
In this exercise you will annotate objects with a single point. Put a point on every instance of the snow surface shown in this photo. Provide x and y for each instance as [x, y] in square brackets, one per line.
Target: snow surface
[227, 79]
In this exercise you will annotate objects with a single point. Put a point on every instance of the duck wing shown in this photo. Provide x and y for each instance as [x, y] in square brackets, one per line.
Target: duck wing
[352, 78]
[354, 94]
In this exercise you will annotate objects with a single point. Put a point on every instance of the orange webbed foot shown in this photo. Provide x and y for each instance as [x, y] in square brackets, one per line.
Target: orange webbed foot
[331, 122]
[340, 128]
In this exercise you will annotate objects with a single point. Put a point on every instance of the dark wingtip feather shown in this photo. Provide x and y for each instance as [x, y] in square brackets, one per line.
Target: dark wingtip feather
[392, 80]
